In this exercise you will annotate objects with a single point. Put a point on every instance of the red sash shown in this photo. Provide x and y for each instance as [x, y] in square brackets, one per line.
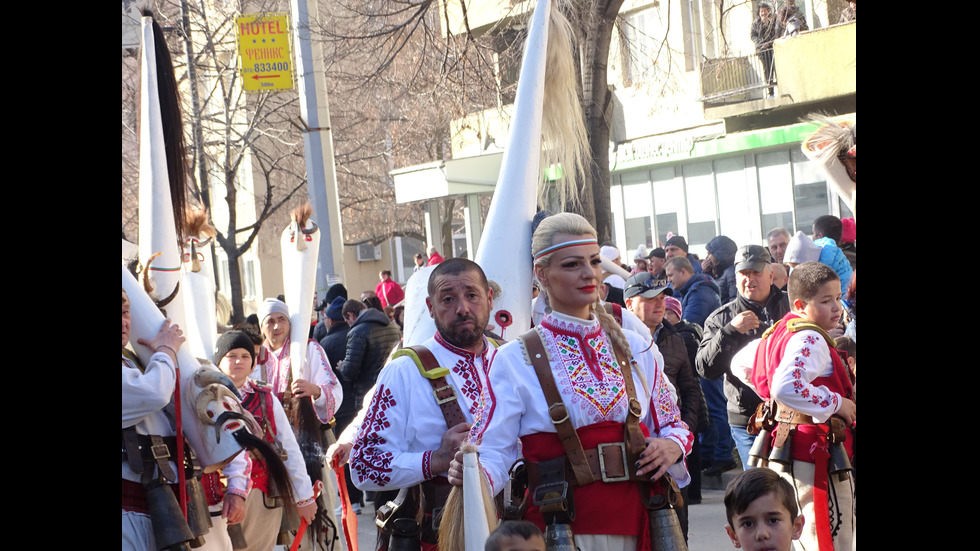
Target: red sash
[613, 508]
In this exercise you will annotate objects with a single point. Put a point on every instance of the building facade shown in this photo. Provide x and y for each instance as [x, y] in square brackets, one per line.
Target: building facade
[697, 147]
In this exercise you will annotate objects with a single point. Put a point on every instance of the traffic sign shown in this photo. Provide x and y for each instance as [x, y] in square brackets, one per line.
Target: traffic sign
[264, 56]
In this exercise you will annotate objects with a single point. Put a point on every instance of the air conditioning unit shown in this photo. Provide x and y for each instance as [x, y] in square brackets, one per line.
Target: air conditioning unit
[367, 252]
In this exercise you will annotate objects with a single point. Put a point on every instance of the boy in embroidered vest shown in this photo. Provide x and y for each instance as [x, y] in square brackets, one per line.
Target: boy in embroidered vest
[798, 366]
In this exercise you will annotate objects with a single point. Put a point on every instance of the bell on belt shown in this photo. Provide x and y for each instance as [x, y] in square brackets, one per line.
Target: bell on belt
[290, 522]
[781, 457]
[170, 530]
[839, 463]
[237, 536]
[198, 516]
[559, 537]
[665, 531]
[760, 449]
[404, 535]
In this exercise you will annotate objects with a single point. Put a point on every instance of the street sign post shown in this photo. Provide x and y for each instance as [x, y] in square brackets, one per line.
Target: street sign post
[264, 56]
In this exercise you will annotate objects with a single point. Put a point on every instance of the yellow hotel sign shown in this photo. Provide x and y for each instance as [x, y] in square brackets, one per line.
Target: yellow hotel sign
[264, 57]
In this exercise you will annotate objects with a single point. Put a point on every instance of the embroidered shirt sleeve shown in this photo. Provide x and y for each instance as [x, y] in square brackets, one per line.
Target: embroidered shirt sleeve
[807, 356]
[331, 393]
[238, 474]
[381, 457]
[663, 417]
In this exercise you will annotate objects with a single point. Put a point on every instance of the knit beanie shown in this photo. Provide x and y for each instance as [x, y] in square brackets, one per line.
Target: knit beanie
[801, 249]
[335, 290]
[270, 306]
[674, 306]
[230, 340]
[677, 241]
[335, 308]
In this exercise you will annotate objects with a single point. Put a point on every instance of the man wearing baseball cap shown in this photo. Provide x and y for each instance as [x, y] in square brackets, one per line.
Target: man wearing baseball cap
[655, 264]
[727, 330]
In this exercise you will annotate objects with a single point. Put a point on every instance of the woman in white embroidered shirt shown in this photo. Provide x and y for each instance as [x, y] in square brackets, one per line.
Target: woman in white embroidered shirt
[581, 342]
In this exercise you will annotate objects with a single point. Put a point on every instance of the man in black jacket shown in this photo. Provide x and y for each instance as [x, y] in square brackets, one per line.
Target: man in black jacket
[370, 341]
[730, 328]
[763, 35]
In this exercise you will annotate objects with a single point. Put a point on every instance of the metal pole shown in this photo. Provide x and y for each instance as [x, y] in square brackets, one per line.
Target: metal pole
[318, 145]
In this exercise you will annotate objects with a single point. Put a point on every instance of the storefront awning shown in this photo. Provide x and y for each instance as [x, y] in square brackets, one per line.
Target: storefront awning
[447, 178]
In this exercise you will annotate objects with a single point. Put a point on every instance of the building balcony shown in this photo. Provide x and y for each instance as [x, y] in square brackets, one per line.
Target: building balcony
[815, 67]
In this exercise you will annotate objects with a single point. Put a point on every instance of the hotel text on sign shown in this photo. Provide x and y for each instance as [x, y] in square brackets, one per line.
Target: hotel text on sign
[264, 57]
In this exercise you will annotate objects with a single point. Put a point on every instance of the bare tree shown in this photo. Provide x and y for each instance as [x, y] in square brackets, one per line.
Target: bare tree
[397, 46]
[395, 84]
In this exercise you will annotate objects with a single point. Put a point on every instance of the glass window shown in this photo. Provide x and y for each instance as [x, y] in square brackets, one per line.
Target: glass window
[249, 277]
[668, 222]
[639, 44]
[775, 190]
[845, 211]
[810, 194]
[637, 207]
[734, 198]
[224, 278]
[699, 184]
[668, 202]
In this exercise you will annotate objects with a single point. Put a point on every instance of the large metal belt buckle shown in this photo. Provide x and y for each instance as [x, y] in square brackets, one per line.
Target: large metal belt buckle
[450, 398]
[552, 415]
[602, 463]
[160, 451]
[547, 494]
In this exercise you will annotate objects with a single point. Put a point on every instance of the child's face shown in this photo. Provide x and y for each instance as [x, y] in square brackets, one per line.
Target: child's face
[825, 308]
[517, 543]
[765, 526]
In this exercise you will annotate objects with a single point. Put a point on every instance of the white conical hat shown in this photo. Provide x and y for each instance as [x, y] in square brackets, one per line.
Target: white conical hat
[158, 240]
[158, 231]
[300, 243]
[505, 248]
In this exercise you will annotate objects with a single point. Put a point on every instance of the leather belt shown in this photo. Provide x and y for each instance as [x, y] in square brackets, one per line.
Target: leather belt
[140, 449]
[608, 463]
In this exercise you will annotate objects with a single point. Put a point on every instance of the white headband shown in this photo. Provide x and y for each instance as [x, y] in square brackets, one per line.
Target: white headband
[566, 244]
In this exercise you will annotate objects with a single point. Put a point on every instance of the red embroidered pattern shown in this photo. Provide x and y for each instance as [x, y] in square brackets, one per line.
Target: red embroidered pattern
[426, 465]
[466, 368]
[367, 459]
[597, 383]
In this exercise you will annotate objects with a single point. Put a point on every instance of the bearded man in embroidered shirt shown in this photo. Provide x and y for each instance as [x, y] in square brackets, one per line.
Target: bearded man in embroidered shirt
[406, 438]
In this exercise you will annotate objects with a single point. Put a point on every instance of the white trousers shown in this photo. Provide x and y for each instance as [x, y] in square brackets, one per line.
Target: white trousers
[137, 532]
[841, 508]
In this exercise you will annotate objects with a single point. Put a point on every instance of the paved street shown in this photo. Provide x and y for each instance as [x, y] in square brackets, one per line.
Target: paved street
[706, 525]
